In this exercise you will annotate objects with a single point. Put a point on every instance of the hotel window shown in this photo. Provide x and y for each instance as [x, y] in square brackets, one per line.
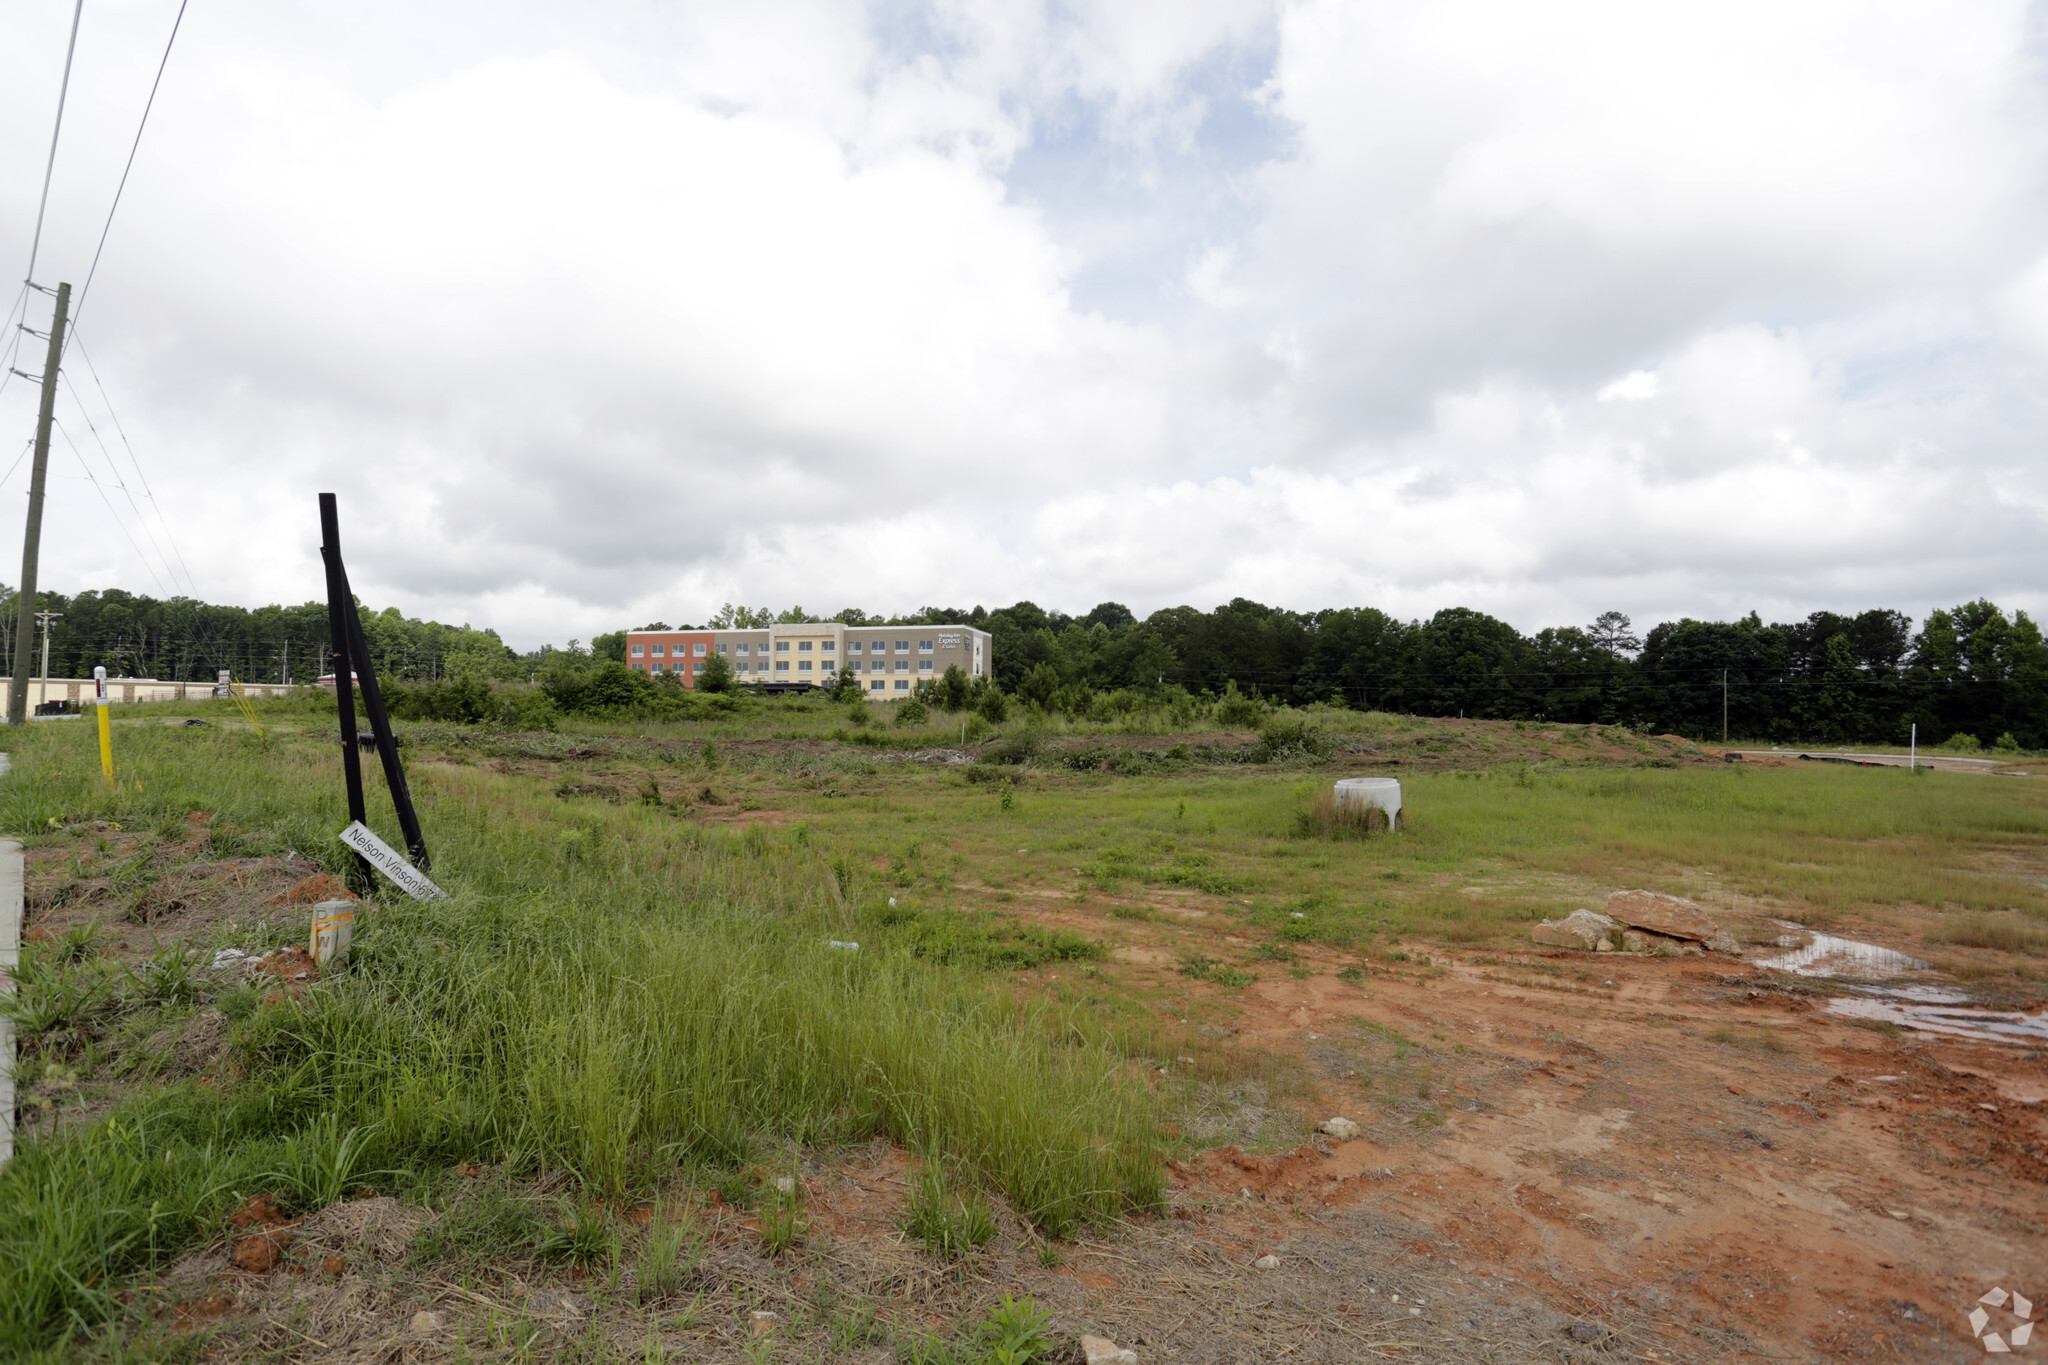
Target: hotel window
[853, 646]
[827, 646]
[925, 665]
[902, 685]
[782, 665]
[903, 665]
[876, 686]
[903, 646]
[719, 648]
[696, 668]
[655, 667]
[698, 651]
[803, 666]
[743, 648]
[638, 650]
[803, 646]
[782, 646]
[924, 646]
[655, 651]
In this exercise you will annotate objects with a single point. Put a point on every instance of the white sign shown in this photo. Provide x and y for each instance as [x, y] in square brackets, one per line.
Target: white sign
[387, 860]
[949, 642]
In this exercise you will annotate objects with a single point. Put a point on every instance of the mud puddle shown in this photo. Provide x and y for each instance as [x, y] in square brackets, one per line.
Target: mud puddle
[1827, 955]
[1956, 1021]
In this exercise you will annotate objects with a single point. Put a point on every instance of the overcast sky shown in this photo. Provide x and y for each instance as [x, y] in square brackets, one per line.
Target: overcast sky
[601, 313]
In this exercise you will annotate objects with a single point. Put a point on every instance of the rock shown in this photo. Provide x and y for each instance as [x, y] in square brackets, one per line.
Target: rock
[424, 1322]
[333, 1265]
[1661, 914]
[1634, 942]
[1587, 1332]
[1725, 942]
[763, 1323]
[785, 1184]
[1267, 1262]
[1102, 1351]
[1341, 1129]
[1583, 930]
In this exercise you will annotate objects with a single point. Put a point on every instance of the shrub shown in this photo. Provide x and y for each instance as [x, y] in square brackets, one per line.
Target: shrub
[1018, 748]
[911, 712]
[993, 707]
[1961, 742]
[1237, 710]
[1290, 737]
[526, 708]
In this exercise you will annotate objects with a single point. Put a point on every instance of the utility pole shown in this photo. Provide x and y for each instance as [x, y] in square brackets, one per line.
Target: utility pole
[286, 676]
[46, 617]
[1724, 706]
[31, 540]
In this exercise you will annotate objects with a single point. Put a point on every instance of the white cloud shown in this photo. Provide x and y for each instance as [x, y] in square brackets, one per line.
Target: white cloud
[1538, 309]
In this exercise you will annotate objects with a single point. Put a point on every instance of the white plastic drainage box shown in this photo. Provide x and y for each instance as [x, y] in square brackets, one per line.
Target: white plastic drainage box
[1383, 792]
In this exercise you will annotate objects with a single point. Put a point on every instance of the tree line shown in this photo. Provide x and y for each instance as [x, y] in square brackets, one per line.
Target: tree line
[180, 639]
[1972, 673]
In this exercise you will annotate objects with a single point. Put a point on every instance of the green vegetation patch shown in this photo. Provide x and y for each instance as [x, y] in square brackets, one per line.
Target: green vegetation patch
[971, 939]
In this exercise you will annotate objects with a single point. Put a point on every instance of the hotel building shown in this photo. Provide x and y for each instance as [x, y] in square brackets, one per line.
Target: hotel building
[889, 660]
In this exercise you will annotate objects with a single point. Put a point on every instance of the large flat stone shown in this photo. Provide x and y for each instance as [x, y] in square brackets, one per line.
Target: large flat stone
[1661, 914]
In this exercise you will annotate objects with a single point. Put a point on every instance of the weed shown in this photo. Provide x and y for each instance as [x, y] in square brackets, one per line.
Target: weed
[1209, 969]
[670, 1257]
[948, 1224]
[585, 1236]
[2005, 934]
[169, 977]
[783, 1224]
[1323, 816]
[322, 1163]
[1353, 975]
[488, 1224]
[1750, 1040]
[79, 943]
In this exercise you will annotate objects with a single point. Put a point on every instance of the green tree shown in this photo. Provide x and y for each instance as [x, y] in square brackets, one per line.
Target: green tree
[952, 690]
[717, 675]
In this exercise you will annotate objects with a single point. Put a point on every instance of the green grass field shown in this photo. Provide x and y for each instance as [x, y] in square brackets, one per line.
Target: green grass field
[633, 979]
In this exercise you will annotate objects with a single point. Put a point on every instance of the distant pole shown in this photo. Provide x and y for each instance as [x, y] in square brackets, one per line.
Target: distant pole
[1724, 706]
[1913, 749]
[99, 687]
[46, 617]
[32, 538]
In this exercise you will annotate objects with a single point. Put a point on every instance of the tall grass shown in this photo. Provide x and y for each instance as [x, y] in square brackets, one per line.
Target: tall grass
[607, 990]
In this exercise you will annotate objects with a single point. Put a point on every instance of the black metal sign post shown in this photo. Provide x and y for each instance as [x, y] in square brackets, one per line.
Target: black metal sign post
[352, 666]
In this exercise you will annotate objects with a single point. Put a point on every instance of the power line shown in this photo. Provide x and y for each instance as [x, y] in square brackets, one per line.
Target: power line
[110, 504]
[115, 471]
[147, 491]
[50, 167]
[134, 147]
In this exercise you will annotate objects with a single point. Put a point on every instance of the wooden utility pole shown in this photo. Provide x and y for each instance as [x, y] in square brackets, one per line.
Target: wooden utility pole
[31, 541]
[1724, 706]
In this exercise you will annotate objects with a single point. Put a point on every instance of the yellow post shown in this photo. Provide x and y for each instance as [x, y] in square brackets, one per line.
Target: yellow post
[99, 687]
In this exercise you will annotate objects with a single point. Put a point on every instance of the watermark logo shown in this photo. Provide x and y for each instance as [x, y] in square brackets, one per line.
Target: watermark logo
[2019, 1335]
